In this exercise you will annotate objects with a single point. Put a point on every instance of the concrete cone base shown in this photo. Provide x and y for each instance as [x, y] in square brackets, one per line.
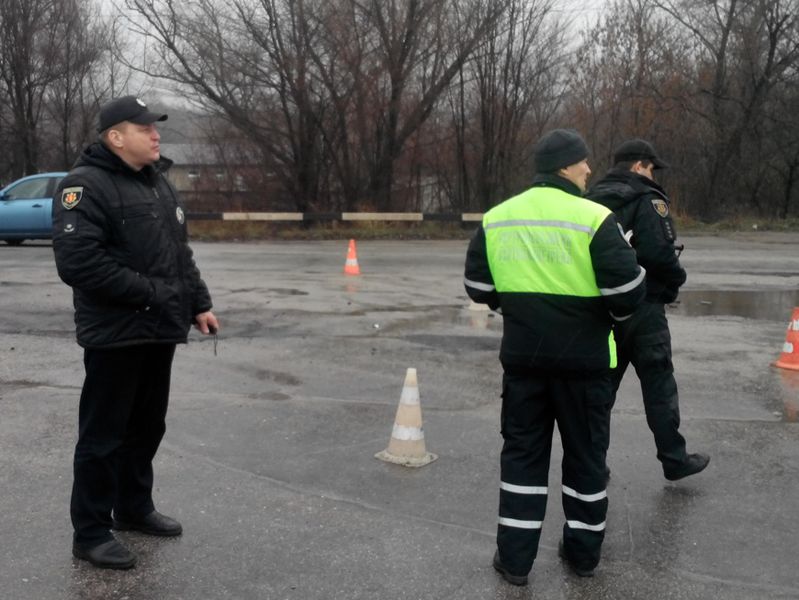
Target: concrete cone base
[406, 461]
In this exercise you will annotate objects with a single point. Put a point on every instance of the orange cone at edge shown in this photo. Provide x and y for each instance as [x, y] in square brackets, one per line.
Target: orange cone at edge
[789, 359]
[351, 265]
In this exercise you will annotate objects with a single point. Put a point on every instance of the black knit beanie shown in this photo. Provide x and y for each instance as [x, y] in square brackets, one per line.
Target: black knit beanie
[559, 148]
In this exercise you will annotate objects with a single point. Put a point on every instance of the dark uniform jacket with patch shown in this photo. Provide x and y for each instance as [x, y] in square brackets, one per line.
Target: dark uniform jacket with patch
[120, 242]
[642, 208]
[547, 329]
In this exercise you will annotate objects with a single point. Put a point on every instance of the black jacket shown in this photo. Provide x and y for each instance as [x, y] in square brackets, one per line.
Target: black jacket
[120, 242]
[550, 331]
[642, 208]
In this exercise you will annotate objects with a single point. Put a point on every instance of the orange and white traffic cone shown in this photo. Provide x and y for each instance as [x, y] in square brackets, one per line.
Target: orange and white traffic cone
[406, 446]
[351, 265]
[789, 359]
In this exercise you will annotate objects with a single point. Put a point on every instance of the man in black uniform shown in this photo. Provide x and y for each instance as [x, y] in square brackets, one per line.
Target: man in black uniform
[120, 242]
[642, 209]
[558, 269]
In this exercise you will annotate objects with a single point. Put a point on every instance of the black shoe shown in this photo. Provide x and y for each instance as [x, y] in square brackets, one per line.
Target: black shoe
[578, 570]
[507, 575]
[108, 555]
[693, 463]
[153, 524]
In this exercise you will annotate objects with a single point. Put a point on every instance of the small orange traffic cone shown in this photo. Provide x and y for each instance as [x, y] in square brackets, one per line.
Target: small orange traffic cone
[789, 359]
[406, 446]
[351, 266]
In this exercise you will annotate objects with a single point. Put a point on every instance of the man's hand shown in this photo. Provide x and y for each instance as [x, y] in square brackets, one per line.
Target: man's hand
[206, 323]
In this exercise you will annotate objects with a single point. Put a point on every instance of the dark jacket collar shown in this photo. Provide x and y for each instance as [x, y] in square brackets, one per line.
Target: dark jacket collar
[555, 180]
[634, 180]
[98, 155]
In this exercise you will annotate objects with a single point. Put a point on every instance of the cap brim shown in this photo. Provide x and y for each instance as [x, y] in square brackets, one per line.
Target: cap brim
[147, 117]
[659, 164]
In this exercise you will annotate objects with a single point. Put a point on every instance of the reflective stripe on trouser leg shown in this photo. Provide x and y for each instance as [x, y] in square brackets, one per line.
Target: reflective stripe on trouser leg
[584, 423]
[585, 524]
[521, 514]
[527, 424]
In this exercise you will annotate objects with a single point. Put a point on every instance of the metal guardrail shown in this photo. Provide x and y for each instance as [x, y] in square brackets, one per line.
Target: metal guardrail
[334, 216]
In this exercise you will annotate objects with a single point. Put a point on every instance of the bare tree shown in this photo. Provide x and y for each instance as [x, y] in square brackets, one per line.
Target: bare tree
[743, 48]
[28, 51]
[271, 67]
[50, 53]
[247, 60]
[421, 46]
[627, 78]
[73, 100]
[507, 94]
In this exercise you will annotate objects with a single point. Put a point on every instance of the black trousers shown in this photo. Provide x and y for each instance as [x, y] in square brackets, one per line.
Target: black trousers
[532, 402]
[121, 422]
[644, 341]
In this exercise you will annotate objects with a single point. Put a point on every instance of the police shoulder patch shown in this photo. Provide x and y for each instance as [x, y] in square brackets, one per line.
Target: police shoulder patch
[71, 196]
[660, 207]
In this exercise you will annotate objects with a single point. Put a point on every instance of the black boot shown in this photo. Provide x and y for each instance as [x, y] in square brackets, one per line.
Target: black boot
[153, 524]
[582, 572]
[108, 555]
[693, 463]
[507, 575]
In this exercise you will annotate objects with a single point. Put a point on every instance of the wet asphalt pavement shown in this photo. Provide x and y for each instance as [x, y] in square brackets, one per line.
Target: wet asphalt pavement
[268, 459]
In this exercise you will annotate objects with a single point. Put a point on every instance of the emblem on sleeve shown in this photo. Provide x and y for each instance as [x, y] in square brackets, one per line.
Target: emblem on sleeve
[660, 207]
[71, 196]
[179, 214]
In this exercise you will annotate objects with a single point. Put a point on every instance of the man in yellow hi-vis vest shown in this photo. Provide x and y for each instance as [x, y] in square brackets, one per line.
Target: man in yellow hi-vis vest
[557, 267]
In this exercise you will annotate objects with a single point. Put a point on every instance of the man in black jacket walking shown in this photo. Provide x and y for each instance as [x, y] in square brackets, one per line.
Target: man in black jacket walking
[642, 209]
[120, 242]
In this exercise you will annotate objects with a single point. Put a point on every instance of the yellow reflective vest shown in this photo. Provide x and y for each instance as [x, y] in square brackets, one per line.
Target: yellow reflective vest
[559, 270]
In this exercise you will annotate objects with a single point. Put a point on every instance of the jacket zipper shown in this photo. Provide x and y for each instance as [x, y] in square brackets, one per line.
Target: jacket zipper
[179, 254]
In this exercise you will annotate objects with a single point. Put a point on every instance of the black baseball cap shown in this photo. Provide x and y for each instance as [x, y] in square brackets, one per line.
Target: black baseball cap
[126, 108]
[637, 149]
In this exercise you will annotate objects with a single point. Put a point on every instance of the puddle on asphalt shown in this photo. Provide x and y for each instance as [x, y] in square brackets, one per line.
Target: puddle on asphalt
[773, 305]
[270, 291]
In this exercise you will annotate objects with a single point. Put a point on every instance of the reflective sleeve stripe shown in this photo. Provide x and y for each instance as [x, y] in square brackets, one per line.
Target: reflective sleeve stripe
[615, 318]
[581, 525]
[533, 223]
[483, 287]
[520, 524]
[585, 497]
[627, 286]
[522, 489]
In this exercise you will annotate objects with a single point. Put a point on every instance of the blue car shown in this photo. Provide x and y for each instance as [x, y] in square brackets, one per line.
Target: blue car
[26, 208]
